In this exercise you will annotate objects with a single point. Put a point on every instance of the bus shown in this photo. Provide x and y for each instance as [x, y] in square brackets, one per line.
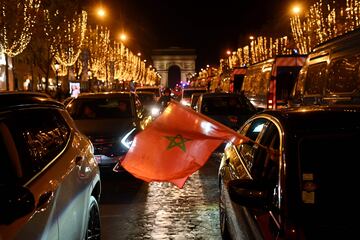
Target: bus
[269, 84]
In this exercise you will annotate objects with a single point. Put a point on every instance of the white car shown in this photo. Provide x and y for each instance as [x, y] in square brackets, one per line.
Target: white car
[49, 179]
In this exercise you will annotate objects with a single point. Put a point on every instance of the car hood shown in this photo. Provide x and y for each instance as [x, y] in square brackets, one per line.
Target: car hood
[105, 127]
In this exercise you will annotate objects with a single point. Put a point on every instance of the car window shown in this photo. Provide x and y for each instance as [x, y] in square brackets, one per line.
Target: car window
[262, 160]
[40, 135]
[344, 75]
[226, 105]
[266, 161]
[256, 80]
[91, 108]
[248, 150]
[156, 91]
[147, 98]
[315, 79]
[188, 92]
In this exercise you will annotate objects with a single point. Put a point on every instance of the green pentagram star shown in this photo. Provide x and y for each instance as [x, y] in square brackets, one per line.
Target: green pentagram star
[178, 141]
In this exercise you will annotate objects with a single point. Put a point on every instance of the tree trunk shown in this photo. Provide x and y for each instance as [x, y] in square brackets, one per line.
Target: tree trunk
[7, 73]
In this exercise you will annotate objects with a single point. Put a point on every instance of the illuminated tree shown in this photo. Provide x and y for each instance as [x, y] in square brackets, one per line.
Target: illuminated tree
[98, 45]
[42, 49]
[324, 20]
[17, 19]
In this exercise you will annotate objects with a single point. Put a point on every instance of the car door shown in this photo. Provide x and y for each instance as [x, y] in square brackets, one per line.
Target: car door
[36, 142]
[265, 169]
[50, 163]
[239, 161]
[257, 160]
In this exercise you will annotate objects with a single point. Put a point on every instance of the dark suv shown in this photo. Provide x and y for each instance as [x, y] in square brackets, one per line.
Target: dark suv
[230, 109]
[110, 120]
[296, 179]
[49, 179]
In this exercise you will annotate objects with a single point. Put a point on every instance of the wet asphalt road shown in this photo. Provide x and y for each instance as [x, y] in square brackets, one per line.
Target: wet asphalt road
[133, 209]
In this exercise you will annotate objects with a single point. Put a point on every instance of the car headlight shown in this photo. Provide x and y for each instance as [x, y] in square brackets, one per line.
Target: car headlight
[127, 140]
[185, 102]
[155, 111]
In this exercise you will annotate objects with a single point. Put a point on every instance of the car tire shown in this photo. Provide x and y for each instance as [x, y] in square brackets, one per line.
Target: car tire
[93, 227]
[222, 215]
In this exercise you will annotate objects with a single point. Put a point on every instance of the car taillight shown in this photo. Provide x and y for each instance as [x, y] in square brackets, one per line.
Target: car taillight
[233, 119]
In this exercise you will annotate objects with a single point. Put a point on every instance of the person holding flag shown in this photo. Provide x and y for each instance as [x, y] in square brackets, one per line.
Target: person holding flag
[165, 99]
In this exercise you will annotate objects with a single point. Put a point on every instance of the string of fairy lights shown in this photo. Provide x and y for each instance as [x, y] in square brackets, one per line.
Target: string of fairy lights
[258, 50]
[69, 37]
[323, 21]
[69, 44]
[15, 35]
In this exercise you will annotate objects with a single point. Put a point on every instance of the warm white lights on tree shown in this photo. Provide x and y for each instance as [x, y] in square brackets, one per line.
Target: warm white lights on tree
[323, 21]
[68, 36]
[260, 49]
[17, 19]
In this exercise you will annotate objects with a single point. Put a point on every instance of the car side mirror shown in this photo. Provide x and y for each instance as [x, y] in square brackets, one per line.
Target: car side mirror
[249, 193]
[15, 202]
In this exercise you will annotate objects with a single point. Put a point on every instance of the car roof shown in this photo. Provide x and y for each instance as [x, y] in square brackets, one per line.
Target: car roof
[317, 118]
[104, 94]
[10, 100]
[145, 92]
[221, 94]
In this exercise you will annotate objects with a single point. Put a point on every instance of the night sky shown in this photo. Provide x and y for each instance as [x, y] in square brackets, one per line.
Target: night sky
[208, 27]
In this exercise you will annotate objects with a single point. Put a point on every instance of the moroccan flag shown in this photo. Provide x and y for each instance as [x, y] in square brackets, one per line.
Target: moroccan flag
[175, 145]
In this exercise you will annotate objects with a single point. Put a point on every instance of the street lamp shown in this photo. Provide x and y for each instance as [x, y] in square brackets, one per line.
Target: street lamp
[57, 66]
[101, 12]
[123, 37]
[296, 9]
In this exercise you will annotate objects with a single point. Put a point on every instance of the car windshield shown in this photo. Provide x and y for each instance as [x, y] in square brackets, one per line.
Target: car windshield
[225, 105]
[90, 108]
[146, 98]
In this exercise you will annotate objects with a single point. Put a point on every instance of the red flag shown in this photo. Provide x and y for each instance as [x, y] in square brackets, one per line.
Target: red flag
[176, 145]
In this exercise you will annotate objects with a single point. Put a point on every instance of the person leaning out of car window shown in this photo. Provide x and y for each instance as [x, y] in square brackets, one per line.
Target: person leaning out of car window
[165, 99]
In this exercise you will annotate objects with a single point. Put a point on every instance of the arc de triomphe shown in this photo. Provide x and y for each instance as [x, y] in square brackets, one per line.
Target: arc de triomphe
[175, 65]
